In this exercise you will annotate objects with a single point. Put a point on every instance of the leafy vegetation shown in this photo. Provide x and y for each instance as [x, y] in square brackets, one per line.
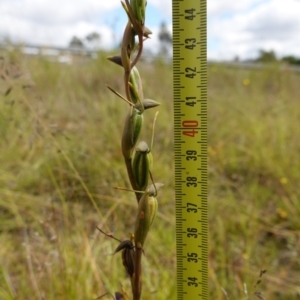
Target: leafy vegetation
[60, 158]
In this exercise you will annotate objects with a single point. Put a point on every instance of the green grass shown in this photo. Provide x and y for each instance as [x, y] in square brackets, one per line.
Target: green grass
[60, 158]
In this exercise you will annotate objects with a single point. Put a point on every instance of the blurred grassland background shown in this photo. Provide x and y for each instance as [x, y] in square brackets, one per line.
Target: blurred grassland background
[60, 158]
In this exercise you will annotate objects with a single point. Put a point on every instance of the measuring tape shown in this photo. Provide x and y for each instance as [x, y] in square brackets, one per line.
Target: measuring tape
[190, 133]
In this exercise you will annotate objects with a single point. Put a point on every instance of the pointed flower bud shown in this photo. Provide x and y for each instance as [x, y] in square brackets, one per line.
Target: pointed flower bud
[146, 213]
[137, 91]
[123, 245]
[127, 46]
[128, 256]
[136, 88]
[131, 131]
[147, 32]
[142, 165]
[149, 103]
[139, 10]
[121, 295]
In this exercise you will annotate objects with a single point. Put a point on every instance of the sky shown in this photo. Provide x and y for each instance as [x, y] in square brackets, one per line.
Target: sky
[235, 28]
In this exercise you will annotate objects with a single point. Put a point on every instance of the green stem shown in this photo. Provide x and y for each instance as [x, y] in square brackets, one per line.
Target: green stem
[136, 282]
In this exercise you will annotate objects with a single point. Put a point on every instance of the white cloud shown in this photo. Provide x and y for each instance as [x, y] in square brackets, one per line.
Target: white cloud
[54, 22]
[214, 7]
[234, 27]
[217, 7]
[153, 44]
[272, 25]
[55, 11]
[162, 5]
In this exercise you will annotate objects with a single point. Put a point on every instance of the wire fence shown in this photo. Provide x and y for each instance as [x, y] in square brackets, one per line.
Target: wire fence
[68, 55]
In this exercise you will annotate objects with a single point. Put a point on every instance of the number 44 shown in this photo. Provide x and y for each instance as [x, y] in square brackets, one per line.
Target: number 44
[190, 14]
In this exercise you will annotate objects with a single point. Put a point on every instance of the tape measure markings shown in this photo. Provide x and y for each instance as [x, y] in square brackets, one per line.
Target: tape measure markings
[190, 139]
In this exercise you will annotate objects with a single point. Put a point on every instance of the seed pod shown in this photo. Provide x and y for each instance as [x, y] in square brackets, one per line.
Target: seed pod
[131, 131]
[142, 165]
[146, 213]
[139, 10]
